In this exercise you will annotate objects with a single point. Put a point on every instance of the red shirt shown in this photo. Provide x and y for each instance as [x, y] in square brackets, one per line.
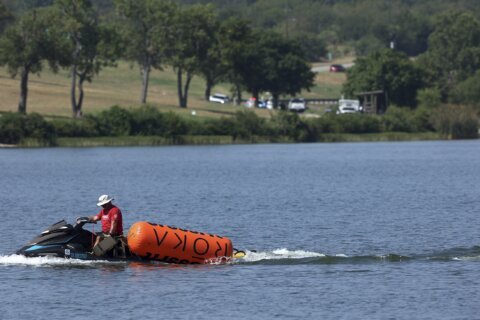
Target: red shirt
[108, 216]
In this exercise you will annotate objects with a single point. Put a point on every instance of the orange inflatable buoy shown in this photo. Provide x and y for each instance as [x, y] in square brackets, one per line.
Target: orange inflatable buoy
[168, 244]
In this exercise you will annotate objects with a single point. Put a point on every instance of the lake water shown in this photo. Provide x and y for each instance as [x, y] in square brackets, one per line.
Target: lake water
[341, 231]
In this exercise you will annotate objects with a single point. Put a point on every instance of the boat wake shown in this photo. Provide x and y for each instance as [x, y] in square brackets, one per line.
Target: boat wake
[286, 257]
[19, 260]
[282, 256]
[289, 257]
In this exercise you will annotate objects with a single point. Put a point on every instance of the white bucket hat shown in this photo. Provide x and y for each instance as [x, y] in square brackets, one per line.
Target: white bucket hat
[104, 199]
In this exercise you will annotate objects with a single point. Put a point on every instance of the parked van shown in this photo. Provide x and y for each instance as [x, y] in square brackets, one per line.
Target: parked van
[297, 104]
[348, 106]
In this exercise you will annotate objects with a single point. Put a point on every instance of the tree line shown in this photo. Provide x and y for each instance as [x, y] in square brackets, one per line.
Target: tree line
[244, 126]
[154, 34]
[364, 25]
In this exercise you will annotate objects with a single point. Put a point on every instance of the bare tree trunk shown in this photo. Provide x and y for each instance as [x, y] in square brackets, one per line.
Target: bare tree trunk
[208, 89]
[73, 91]
[22, 104]
[238, 93]
[78, 106]
[145, 72]
[73, 88]
[180, 87]
[183, 89]
[187, 86]
[275, 97]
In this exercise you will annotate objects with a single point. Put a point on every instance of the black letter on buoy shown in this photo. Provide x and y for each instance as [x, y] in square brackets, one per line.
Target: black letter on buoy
[159, 242]
[195, 246]
[180, 241]
[218, 250]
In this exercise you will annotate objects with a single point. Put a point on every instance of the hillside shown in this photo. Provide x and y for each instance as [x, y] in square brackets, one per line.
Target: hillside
[49, 93]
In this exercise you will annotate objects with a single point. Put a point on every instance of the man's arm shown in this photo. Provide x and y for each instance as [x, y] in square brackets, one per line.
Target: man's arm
[114, 225]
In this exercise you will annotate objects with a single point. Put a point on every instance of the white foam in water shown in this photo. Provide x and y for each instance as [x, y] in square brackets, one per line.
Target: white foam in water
[477, 258]
[46, 261]
[280, 254]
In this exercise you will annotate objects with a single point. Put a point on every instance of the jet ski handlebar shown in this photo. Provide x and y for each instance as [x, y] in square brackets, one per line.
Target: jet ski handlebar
[81, 221]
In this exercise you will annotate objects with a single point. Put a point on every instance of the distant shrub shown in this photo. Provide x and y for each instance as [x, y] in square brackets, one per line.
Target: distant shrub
[308, 131]
[37, 127]
[222, 126]
[11, 128]
[429, 98]
[83, 127]
[398, 119]
[247, 124]
[173, 125]
[115, 121]
[327, 124]
[422, 119]
[15, 127]
[358, 123]
[468, 92]
[286, 124]
[456, 122]
[147, 121]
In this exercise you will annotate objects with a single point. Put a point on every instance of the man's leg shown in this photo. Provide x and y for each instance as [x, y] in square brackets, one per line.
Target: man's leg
[97, 240]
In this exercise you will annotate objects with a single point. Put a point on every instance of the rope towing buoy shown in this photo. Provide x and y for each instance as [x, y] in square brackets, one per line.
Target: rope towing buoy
[153, 241]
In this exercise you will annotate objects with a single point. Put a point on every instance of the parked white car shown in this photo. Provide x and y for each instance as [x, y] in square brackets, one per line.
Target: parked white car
[219, 98]
[297, 104]
[269, 104]
[348, 106]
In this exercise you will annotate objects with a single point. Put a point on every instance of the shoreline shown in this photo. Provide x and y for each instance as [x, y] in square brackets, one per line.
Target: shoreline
[151, 141]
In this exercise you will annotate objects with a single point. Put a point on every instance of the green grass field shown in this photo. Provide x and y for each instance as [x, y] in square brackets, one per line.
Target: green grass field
[49, 93]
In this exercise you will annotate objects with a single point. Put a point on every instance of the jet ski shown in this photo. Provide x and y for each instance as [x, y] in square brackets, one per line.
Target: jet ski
[65, 240]
[146, 242]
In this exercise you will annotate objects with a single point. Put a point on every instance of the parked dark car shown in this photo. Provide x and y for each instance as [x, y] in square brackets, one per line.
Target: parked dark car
[261, 104]
[337, 68]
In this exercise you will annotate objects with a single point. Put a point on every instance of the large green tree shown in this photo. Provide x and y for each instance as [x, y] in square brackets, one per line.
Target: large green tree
[248, 65]
[286, 70]
[266, 61]
[23, 47]
[235, 35]
[211, 65]
[148, 28]
[85, 48]
[387, 70]
[194, 36]
[453, 51]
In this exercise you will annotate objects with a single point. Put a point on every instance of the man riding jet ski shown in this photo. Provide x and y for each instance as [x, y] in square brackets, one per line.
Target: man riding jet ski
[64, 240]
[67, 241]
